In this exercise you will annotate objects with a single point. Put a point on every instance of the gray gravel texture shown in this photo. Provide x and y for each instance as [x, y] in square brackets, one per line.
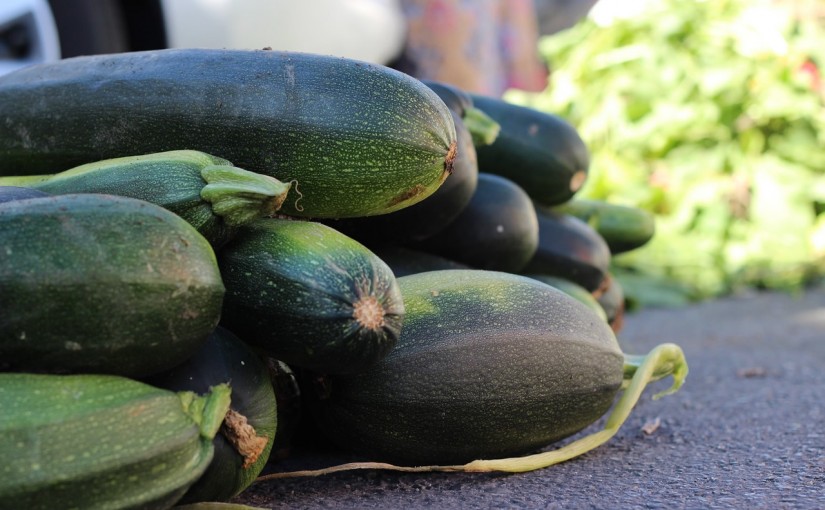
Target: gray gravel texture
[746, 431]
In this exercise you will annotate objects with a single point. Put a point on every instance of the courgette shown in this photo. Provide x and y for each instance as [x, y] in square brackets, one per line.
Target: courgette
[310, 296]
[569, 248]
[431, 215]
[497, 230]
[101, 283]
[98, 441]
[574, 290]
[541, 152]
[246, 435]
[488, 364]
[405, 261]
[208, 192]
[356, 139]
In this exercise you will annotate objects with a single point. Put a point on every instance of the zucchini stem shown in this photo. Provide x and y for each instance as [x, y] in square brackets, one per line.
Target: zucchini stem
[663, 360]
[240, 196]
[483, 129]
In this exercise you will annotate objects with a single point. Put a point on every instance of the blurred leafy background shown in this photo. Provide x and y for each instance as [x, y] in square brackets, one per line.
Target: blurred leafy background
[710, 115]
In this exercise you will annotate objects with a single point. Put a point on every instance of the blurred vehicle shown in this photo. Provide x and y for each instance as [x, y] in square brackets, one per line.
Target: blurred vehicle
[34, 31]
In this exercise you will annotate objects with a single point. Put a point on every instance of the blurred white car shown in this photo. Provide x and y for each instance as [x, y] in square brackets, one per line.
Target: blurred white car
[44, 30]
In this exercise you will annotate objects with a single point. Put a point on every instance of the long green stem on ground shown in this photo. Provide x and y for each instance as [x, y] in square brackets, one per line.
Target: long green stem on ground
[661, 361]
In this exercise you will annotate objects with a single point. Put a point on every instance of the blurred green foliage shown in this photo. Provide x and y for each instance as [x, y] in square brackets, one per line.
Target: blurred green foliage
[709, 114]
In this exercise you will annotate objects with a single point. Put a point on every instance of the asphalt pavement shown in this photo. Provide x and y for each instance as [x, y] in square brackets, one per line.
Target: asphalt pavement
[746, 431]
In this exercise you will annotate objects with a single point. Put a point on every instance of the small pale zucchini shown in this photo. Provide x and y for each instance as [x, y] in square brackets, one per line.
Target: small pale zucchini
[208, 192]
[95, 441]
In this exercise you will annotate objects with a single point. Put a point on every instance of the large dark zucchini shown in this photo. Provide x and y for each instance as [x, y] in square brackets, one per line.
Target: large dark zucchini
[570, 248]
[497, 230]
[99, 283]
[97, 441]
[539, 151]
[310, 296]
[246, 437]
[358, 139]
[405, 261]
[488, 364]
[431, 215]
[208, 192]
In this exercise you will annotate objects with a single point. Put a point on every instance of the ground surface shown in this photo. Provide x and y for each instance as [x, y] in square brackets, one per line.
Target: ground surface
[746, 431]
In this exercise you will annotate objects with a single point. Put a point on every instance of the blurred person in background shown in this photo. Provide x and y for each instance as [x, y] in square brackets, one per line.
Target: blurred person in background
[482, 46]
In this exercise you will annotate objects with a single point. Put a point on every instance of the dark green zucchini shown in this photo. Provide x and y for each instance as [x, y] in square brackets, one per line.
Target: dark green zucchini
[497, 230]
[97, 441]
[10, 193]
[623, 227]
[569, 248]
[309, 296]
[539, 151]
[356, 139]
[100, 283]
[246, 437]
[424, 219]
[481, 127]
[208, 192]
[406, 261]
[488, 364]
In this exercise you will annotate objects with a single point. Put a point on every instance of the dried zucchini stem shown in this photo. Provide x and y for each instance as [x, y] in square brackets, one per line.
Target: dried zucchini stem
[662, 361]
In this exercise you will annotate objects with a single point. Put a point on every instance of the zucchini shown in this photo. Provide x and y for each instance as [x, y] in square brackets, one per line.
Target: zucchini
[310, 296]
[105, 284]
[569, 248]
[483, 130]
[246, 436]
[498, 229]
[356, 139]
[98, 441]
[488, 364]
[405, 261]
[432, 214]
[623, 227]
[208, 192]
[539, 151]
[9, 193]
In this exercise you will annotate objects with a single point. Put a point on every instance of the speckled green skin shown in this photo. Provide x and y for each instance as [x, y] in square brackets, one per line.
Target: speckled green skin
[488, 364]
[291, 288]
[94, 442]
[539, 151]
[105, 284]
[359, 139]
[173, 184]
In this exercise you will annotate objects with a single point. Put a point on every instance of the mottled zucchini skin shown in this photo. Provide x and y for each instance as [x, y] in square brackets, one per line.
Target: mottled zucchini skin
[489, 364]
[95, 441]
[104, 284]
[310, 296]
[624, 228]
[359, 139]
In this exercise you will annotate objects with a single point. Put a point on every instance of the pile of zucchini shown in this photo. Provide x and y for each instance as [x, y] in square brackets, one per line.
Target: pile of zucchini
[202, 250]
